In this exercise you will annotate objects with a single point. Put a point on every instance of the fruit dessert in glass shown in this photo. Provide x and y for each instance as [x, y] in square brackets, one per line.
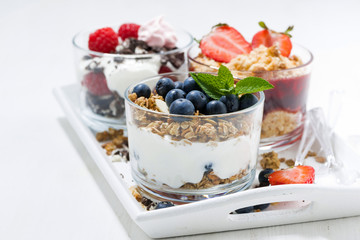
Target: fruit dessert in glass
[193, 138]
[108, 60]
[271, 56]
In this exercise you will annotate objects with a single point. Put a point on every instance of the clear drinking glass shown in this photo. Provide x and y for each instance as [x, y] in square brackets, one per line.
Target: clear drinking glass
[105, 107]
[189, 158]
[285, 104]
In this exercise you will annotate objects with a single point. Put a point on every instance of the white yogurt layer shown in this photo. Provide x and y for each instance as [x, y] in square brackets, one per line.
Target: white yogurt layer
[176, 162]
[120, 75]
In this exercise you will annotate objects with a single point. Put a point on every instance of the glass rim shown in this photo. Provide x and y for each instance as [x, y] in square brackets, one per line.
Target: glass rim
[135, 55]
[260, 101]
[259, 72]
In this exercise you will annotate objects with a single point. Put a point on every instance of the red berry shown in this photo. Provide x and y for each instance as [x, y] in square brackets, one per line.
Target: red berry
[224, 43]
[103, 40]
[270, 38]
[295, 175]
[128, 30]
[164, 69]
[96, 84]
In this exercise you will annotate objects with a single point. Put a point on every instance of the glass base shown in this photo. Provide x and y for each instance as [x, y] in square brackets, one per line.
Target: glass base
[99, 122]
[181, 196]
[280, 143]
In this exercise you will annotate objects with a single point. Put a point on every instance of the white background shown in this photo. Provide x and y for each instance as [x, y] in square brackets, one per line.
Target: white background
[49, 186]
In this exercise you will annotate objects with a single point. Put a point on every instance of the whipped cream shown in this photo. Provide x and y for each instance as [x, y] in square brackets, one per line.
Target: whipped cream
[175, 163]
[158, 33]
[120, 75]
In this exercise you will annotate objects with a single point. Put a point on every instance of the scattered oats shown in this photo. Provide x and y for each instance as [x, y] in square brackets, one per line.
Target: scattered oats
[320, 159]
[270, 160]
[290, 162]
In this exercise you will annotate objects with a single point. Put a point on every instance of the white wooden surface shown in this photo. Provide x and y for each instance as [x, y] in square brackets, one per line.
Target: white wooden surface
[50, 188]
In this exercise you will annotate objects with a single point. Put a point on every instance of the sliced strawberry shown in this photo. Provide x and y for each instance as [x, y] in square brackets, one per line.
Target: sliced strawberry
[224, 43]
[295, 175]
[270, 38]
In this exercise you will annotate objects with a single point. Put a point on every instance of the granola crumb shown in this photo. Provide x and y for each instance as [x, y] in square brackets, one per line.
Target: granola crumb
[282, 159]
[135, 192]
[311, 154]
[115, 143]
[320, 159]
[278, 123]
[290, 162]
[270, 160]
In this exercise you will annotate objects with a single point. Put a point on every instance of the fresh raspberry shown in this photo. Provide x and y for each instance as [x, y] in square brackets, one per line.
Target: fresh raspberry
[128, 30]
[103, 40]
[96, 84]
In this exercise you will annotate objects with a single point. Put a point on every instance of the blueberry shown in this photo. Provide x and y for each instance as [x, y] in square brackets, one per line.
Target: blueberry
[244, 210]
[208, 167]
[174, 94]
[263, 177]
[215, 107]
[198, 99]
[247, 100]
[179, 85]
[142, 90]
[160, 205]
[231, 101]
[163, 86]
[261, 206]
[190, 84]
[182, 107]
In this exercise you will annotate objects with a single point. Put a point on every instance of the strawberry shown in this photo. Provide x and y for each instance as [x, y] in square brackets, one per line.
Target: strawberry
[224, 43]
[96, 84]
[128, 30]
[295, 175]
[103, 40]
[269, 38]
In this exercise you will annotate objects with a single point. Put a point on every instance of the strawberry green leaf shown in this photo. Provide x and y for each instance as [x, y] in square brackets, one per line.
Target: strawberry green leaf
[263, 25]
[251, 85]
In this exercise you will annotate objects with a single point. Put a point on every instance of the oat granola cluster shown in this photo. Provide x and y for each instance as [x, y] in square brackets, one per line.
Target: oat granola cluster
[114, 142]
[196, 130]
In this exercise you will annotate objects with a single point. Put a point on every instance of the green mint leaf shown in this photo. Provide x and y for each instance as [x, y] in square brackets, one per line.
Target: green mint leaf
[225, 77]
[251, 85]
[209, 83]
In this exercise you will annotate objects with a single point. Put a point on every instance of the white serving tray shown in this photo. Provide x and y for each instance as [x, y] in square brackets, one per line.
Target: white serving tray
[295, 203]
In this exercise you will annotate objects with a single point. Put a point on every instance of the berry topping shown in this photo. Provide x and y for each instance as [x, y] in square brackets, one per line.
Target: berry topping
[142, 90]
[264, 177]
[215, 107]
[224, 43]
[231, 101]
[182, 107]
[96, 84]
[198, 99]
[164, 69]
[247, 100]
[268, 38]
[163, 86]
[103, 40]
[244, 210]
[296, 175]
[128, 30]
[160, 205]
[179, 85]
[190, 84]
[174, 94]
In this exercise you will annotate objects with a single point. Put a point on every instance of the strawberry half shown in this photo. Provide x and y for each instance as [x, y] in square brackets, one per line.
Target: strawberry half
[270, 38]
[224, 43]
[295, 175]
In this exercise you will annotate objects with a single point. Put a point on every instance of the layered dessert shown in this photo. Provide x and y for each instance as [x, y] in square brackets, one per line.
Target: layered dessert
[111, 59]
[189, 139]
[270, 55]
